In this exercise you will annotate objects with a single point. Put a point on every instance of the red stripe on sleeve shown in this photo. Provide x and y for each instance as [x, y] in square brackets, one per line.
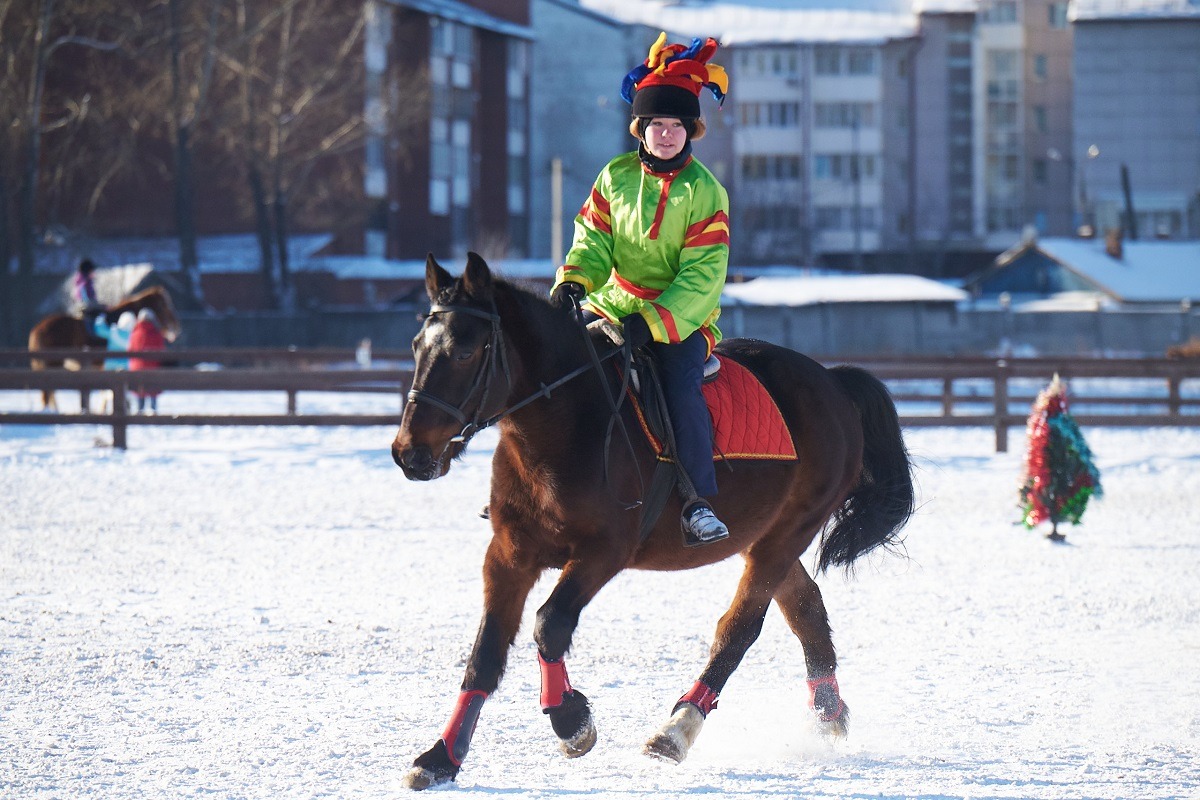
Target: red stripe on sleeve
[712, 237]
[600, 202]
[698, 227]
[668, 322]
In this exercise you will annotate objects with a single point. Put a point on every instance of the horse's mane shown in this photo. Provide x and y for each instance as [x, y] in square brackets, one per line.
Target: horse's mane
[145, 293]
[543, 333]
[545, 329]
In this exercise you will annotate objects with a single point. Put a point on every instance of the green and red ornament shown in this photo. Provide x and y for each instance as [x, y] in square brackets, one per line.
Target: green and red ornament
[1060, 475]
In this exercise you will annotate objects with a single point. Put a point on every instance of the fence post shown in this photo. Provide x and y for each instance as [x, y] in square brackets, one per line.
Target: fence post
[291, 402]
[1173, 396]
[947, 397]
[1000, 394]
[120, 411]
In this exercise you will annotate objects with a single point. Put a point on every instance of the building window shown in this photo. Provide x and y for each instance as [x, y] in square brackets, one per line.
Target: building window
[1011, 168]
[518, 127]
[843, 218]
[1040, 70]
[1039, 119]
[1002, 63]
[1058, 15]
[1038, 167]
[829, 218]
[754, 167]
[779, 167]
[844, 115]
[840, 166]
[862, 62]
[828, 61]
[439, 197]
[774, 115]
[1002, 11]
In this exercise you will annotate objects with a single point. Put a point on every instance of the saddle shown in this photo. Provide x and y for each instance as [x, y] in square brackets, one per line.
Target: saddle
[746, 424]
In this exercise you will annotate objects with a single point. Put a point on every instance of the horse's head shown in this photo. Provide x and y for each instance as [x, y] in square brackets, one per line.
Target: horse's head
[461, 375]
[159, 301]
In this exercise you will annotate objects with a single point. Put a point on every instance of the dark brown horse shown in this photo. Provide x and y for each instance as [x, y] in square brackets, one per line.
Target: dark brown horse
[68, 332]
[486, 347]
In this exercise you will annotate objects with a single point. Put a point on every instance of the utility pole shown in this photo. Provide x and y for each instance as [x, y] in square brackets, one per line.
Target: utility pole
[556, 196]
[1130, 215]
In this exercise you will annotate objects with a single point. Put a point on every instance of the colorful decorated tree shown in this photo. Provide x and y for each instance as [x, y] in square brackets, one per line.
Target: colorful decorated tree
[1060, 476]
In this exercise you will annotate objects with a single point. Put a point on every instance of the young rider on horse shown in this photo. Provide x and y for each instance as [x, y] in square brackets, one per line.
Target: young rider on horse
[83, 292]
[651, 250]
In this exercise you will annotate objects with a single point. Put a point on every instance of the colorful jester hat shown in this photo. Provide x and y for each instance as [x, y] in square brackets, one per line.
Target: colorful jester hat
[668, 84]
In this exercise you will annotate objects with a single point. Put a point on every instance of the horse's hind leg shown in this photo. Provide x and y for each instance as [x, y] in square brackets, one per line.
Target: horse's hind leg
[738, 629]
[506, 585]
[799, 599]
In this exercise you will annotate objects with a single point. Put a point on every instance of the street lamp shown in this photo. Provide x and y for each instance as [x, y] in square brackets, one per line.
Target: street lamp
[1084, 215]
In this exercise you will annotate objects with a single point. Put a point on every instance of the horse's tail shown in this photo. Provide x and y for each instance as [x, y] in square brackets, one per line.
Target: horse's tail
[882, 501]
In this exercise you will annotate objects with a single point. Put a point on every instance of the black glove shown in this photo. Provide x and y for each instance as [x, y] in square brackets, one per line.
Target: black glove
[637, 332]
[562, 294]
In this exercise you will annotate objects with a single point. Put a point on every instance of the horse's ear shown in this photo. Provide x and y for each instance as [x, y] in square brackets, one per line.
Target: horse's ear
[436, 279]
[477, 278]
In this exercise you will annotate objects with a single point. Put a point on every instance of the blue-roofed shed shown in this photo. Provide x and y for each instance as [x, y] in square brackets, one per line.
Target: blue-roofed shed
[1124, 273]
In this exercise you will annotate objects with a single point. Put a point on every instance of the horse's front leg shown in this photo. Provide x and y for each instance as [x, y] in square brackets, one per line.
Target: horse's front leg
[738, 629]
[506, 585]
[568, 708]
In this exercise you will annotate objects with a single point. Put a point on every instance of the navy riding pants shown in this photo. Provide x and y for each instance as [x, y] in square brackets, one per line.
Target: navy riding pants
[682, 369]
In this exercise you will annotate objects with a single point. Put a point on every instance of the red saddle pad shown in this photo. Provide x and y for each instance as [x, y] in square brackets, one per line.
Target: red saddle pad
[746, 421]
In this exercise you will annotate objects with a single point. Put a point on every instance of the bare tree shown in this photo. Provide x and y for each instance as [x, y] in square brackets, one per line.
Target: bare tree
[177, 52]
[296, 71]
[32, 34]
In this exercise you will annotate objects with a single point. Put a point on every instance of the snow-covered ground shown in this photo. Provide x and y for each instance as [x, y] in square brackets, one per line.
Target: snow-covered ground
[277, 613]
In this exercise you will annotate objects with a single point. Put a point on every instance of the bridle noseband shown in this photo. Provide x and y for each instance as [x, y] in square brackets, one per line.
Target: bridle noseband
[495, 356]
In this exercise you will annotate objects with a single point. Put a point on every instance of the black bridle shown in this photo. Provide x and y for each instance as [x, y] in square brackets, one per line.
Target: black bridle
[496, 359]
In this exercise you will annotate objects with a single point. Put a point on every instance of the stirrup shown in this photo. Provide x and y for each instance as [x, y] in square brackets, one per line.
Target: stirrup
[701, 526]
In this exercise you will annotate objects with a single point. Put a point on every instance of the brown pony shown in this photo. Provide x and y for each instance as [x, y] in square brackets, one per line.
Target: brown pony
[68, 332]
[486, 353]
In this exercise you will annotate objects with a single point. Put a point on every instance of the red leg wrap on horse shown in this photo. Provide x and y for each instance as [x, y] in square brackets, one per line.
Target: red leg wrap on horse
[700, 696]
[555, 683]
[815, 684]
[461, 726]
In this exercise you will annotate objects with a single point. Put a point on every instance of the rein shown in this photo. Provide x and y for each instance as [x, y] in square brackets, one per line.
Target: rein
[487, 371]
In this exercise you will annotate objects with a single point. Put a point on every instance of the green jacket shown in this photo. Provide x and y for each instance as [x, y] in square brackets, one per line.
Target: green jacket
[655, 244]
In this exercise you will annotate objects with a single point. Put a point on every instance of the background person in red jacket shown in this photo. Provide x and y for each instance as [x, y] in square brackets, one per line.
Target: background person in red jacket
[146, 336]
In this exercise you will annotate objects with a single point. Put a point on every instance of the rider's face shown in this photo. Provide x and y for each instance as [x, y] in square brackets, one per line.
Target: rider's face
[665, 137]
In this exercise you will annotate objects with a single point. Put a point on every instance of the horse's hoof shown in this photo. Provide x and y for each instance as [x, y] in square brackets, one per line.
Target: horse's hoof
[837, 727]
[419, 779]
[676, 738]
[665, 747]
[432, 768]
[581, 743]
[572, 723]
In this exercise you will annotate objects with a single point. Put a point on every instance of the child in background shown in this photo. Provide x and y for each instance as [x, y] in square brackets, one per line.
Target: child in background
[117, 337]
[146, 336]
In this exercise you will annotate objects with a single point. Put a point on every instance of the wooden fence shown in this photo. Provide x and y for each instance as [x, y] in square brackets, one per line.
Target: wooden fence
[950, 391]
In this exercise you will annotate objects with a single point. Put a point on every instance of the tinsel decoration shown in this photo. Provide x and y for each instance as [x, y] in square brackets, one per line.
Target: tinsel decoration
[1060, 476]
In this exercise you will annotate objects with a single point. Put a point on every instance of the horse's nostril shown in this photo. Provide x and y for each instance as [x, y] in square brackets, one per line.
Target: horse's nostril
[415, 458]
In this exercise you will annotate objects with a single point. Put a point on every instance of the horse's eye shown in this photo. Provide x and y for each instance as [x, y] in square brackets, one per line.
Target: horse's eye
[465, 354]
